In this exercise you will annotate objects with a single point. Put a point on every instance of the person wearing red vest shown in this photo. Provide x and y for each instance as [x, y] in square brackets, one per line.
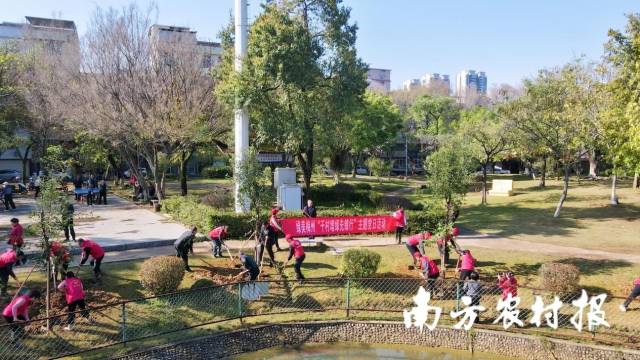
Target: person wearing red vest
[413, 243]
[90, 248]
[296, 251]
[634, 293]
[508, 284]
[73, 291]
[217, 236]
[430, 270]
[401, 221]
[275, 225]
[15, 238]
[60, 257]
[18, 310]
[7, 260]
[466, 265]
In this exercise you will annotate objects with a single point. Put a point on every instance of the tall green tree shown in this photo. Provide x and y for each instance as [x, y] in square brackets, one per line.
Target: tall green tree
[434, 115]
[449, 173]
[549, 116]
[623, 52]
[489, 138]
[373, 126]
[301, 76]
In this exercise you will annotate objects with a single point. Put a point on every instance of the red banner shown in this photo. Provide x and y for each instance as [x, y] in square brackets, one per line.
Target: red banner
[338, 225]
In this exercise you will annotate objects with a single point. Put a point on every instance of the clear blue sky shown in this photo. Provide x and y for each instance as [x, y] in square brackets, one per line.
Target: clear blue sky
[509, 39]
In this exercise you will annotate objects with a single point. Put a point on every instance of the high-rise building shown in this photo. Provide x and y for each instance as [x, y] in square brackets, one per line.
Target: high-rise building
[410, 84]
[482, 82]
[469, 82]
[379, 80]
[435, 80]
[210, 51]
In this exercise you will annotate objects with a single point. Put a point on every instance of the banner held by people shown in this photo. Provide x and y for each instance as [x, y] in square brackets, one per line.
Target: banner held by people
[339, 225]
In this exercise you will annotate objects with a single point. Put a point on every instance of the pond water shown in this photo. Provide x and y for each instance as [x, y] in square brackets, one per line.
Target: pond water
[353, 351]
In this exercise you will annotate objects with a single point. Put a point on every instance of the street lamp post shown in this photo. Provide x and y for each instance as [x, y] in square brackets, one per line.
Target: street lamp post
[241, 117]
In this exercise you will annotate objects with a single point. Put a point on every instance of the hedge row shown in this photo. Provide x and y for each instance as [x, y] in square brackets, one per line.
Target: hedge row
[189, 211]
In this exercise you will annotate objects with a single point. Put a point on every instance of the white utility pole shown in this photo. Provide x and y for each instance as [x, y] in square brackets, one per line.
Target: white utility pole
[241, 122]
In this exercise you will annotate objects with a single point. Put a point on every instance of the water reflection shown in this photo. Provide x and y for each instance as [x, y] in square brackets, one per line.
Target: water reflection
[349, 351]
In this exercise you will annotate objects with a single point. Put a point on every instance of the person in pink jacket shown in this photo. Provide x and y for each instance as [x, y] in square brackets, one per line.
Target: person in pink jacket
[400, 219]
[18, 310]
[508, 284]
[466, 265]
[74, 295]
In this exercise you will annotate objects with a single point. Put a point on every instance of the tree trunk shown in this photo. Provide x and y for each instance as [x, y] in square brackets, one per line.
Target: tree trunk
[185, 156]
[306, 163]
[117, 171]
[354, 162]
[565, 189]
[614, 197]
[484, 182]
[635, 180]
[593, 164]
[543, 173]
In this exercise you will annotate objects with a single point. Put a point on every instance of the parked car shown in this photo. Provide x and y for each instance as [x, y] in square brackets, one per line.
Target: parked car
[362, 170]
[499, 170]
[9, 176]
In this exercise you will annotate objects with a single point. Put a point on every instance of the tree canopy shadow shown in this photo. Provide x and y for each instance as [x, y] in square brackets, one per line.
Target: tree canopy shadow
[595, 266]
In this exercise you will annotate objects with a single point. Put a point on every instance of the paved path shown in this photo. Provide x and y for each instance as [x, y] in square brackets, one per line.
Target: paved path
[117, 224]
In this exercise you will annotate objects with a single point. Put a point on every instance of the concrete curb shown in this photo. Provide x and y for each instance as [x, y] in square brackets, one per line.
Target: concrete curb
[113, 248]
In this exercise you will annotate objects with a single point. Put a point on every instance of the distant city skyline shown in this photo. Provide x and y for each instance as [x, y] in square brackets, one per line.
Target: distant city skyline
[512, 41]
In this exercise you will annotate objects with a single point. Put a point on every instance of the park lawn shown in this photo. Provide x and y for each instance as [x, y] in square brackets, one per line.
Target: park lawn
[587, 219]
[150, 316]
[615, 277]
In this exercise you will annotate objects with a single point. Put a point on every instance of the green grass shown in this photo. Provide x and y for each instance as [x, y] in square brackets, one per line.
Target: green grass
[587, 219]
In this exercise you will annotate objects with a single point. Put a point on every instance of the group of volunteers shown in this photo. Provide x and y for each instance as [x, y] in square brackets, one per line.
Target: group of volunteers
[18, 308]
[267, 238]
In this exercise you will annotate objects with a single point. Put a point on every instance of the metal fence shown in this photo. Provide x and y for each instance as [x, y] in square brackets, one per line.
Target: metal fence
[282, 300]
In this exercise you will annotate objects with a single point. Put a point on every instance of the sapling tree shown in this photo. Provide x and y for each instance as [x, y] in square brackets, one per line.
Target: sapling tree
[254, 184]
[48, 216]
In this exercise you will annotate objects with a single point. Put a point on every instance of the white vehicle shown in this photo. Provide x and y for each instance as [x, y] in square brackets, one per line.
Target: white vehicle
[361, 170]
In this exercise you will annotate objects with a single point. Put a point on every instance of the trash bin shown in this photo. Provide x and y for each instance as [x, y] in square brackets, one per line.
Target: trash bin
[156, 205]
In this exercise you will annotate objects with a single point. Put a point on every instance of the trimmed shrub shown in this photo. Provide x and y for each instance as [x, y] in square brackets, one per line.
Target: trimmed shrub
[212, 172]
[392, 203]
[161, 274]
[189, 211]
[560, 278]
[359, 263]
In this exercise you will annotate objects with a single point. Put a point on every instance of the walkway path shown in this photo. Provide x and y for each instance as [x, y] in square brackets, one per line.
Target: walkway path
[118, 224]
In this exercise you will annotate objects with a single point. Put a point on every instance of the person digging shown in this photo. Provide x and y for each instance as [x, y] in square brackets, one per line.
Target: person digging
[184, 245]
[95, 251]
